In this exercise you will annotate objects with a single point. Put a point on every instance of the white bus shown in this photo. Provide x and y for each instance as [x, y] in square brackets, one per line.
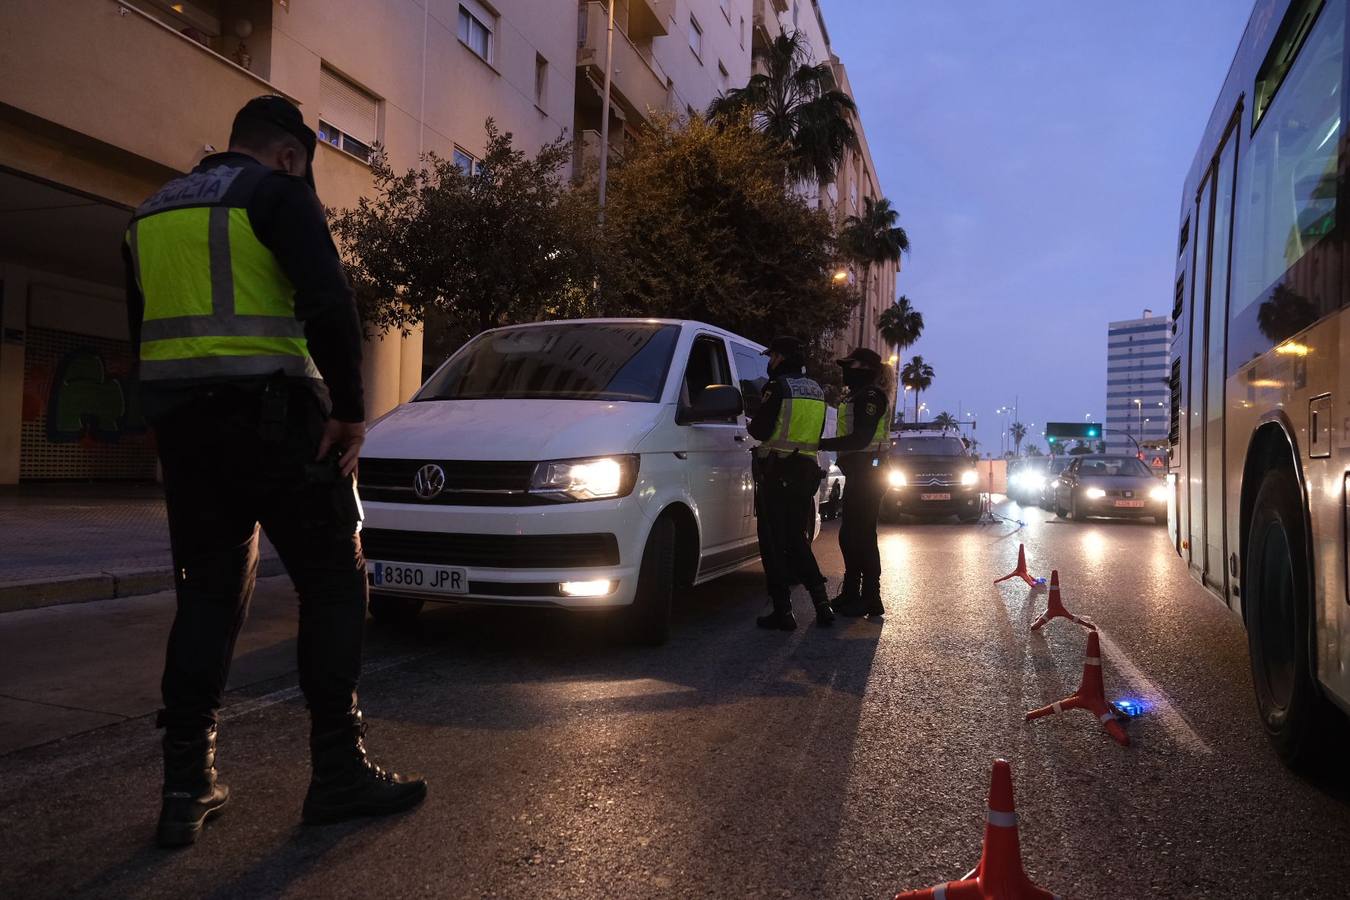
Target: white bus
[1260, 380]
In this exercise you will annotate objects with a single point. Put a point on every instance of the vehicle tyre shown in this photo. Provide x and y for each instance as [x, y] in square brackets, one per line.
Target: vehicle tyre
[969, 518]
[1060, 510]
[1074, 514]
[647, 620]
[388, 610]
[1279, 614]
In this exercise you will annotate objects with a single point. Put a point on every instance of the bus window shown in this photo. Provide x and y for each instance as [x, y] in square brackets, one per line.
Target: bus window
[1288, 189]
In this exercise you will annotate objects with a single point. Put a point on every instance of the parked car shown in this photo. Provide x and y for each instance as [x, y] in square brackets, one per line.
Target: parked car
[1111, 486]
[583, 464]
[930, 474]
[1058, 464]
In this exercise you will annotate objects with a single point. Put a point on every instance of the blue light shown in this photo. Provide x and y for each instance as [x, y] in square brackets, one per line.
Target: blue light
[1130, 707]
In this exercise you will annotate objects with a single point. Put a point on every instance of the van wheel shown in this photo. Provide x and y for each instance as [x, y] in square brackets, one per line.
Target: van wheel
[647, 620]
[1279, 624]
[394, 610]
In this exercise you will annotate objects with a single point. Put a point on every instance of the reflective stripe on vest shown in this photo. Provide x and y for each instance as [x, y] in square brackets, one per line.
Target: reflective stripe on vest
[217, 304]
[801, 419]
[881, 439]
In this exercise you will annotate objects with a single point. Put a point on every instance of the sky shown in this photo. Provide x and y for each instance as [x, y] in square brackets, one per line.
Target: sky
[1036, 151]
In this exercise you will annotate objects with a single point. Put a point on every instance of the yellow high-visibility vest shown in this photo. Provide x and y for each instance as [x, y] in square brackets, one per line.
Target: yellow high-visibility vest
[801, 419]
[881, 438]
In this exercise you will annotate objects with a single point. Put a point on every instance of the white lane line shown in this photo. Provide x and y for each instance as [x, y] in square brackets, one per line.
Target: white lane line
[1170, 717]
[245, 707]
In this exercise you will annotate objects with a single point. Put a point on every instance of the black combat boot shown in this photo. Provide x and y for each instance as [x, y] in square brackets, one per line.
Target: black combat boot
[346, 784]
[850, 592]
[781, 619]
[191, 794]
[820, 599]
[871, 598]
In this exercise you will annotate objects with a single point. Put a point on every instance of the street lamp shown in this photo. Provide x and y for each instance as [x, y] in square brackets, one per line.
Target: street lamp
[1140, 403]
[841, 276]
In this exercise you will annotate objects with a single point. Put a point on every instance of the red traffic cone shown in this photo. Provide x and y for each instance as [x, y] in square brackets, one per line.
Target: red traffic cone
[999, 875]
[1054, 608]
[1090, 695]
[1021, 570]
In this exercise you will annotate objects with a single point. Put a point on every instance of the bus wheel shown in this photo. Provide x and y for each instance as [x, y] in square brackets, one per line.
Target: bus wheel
[1279, 623]
[647, 620]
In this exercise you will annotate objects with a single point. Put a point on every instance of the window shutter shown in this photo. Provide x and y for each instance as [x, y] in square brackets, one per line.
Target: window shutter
[348, 108]
[481, 13]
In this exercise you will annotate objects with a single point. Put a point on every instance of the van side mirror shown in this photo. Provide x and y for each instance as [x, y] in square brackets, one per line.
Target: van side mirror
[717, 401]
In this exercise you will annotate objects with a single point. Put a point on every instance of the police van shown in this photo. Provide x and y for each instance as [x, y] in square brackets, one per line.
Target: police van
[583, 464]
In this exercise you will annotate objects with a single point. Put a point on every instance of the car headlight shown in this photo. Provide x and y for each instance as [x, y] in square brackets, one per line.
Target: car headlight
[597, 478]
[1159, 494]
[896, 478]
[1095, 493]
[969, 477]
[1034, 482]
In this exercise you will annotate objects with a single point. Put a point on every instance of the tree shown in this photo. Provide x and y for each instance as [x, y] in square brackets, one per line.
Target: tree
[873, 239]
[900, 324]
[1019, 433]
[917, 375]
[792, 102]
[698, 226]
[1034, 449]
[508, 242]
[946, 420]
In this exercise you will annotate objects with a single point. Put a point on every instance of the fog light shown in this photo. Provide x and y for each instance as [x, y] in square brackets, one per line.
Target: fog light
[1095, 493]
[598, 588]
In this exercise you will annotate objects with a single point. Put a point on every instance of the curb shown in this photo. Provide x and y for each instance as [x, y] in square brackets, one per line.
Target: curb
[19, 595]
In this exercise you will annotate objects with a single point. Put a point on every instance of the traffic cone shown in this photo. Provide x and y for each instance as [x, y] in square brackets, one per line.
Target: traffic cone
[1054, 608]
[999, 876]
[1021, 570]
[1090, 695]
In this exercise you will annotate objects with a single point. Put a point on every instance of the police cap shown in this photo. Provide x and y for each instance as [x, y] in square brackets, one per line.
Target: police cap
[275, 110]
[786, 346]
[862, 358]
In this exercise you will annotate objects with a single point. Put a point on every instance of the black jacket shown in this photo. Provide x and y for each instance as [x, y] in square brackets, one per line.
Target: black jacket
[289, 220]
[869, 407]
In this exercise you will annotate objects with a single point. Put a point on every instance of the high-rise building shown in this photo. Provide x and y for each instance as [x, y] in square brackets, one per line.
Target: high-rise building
[1136, 381]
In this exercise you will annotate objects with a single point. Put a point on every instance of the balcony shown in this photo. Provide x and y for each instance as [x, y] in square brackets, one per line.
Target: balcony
[767, 27]
[119, 73]
[639, 86]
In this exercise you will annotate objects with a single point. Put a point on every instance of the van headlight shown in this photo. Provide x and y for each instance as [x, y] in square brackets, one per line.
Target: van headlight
[596, 478]
[969, 477]
[896, 478]
[1158, 494]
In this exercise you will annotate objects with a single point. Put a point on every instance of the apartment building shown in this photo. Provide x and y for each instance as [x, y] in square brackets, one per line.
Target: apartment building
[1137, 368]
[101, 101]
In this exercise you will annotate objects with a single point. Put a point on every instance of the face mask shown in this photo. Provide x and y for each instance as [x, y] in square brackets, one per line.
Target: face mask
[857, 378]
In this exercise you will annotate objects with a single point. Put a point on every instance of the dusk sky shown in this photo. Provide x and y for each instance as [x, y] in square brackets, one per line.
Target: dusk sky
[1036, 152]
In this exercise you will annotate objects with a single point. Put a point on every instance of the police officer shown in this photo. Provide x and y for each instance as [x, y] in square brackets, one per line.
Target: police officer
[249, 352]
[788, 426]
[862, 441]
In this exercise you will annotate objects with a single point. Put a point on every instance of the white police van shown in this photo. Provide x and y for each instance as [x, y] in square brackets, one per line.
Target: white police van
[584, 464]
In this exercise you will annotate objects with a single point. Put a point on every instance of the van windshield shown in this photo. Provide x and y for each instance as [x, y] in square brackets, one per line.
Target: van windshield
[559, 361]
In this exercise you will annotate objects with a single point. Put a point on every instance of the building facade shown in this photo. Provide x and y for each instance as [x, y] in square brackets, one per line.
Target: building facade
[1137, 367]
[102, 101]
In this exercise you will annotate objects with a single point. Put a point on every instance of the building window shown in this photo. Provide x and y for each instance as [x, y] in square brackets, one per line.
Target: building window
[348, 116]
[475, 28]
[695, 36]
[540, 80]
[467, 164]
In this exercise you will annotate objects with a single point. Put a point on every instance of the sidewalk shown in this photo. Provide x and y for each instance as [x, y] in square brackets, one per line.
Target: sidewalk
[68, 543]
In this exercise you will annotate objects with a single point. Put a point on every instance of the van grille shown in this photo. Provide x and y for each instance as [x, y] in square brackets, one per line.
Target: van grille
[494, 551]
[467, 482]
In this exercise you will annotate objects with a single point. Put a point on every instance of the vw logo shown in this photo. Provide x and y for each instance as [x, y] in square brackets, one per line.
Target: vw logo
[429, 481]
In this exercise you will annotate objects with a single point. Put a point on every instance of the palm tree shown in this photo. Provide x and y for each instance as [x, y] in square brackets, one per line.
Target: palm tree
[917, 375]
[1019, 433]
[946, 420]
[900, 324]
[1034, 449]
[792, 101]
[873, 239]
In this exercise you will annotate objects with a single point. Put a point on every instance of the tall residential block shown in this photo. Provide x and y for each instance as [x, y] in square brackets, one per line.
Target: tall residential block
[1136, 381]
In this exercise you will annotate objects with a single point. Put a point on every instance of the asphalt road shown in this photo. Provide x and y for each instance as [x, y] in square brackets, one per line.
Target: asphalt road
[851, 762]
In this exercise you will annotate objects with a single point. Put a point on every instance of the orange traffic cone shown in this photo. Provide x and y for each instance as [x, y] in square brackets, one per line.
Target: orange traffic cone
[1090, 695]
[1054, 608]
[999, 875]
[1021, 570]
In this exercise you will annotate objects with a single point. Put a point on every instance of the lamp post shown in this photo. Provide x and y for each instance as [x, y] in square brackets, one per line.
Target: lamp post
[1140, 404]
[604, 110]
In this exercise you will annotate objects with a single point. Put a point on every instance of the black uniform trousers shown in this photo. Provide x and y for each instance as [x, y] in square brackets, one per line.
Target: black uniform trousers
[785, 517]
[223, 475]
[863, 490]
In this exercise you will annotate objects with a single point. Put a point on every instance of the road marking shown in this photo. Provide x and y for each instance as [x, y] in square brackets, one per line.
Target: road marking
[245, 707]
[1169, 715]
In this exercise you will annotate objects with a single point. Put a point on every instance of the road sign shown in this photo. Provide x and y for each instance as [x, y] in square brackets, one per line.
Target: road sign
[1062, 431]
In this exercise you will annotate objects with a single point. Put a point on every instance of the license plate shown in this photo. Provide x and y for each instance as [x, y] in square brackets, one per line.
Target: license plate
[935, 496]
[1130, 504]
[412, 577]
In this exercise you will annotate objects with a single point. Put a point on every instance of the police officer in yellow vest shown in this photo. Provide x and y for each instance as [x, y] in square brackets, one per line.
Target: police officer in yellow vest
[788, 426]
[863, 438]
[249, 357]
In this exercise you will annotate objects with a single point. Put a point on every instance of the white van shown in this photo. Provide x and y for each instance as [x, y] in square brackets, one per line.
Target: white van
[580, 463]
